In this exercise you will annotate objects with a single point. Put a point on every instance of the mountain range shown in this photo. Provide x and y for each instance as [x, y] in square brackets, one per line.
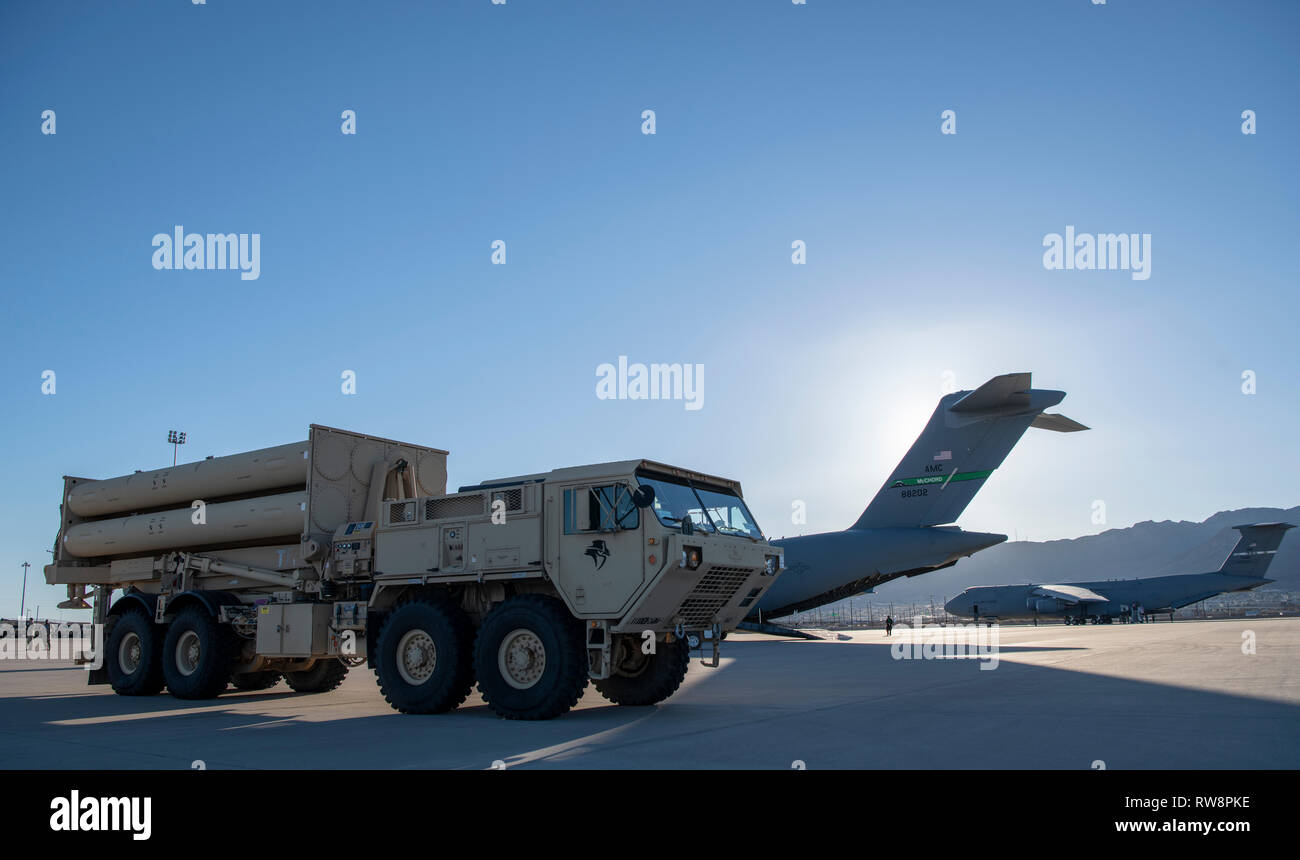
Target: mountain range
[1145, 549]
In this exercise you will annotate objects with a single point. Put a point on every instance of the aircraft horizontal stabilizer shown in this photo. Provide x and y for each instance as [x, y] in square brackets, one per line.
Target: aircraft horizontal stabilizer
[1058, 422]
[1070, 593]
[1008, 391]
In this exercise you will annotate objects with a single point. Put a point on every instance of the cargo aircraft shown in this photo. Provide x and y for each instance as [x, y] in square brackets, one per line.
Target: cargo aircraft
[1102, 602]
[906, 529]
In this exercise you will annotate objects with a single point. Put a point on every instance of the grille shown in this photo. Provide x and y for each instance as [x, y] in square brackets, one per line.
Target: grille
[401, 512]
[514, 499]
[454, 506]
[714, 590]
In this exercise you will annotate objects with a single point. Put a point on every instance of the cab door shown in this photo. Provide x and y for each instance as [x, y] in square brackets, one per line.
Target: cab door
[594, 551]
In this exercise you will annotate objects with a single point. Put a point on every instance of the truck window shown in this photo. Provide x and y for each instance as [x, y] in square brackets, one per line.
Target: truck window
[709, 508]
[604, 508]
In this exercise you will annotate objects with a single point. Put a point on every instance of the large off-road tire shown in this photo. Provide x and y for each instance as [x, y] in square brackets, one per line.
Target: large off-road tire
[326, 675]
[424, 661]
[255, 680]
[652, 679]
[198, 655]
[530, 658]
[133, 654]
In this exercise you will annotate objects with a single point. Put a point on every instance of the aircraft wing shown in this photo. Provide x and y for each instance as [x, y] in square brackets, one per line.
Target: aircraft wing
[1070, 594]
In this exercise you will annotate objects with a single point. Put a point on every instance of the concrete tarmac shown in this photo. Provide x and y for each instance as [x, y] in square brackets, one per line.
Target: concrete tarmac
[1159, 695]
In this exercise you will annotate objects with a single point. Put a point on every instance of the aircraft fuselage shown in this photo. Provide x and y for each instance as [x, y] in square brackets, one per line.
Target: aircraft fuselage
[1155, 594]
[822, 568]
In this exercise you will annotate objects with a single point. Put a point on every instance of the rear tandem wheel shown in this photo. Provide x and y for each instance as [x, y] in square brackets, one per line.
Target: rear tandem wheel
[530, 656]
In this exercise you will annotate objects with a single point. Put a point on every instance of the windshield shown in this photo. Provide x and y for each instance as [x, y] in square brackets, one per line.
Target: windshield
[710, 509]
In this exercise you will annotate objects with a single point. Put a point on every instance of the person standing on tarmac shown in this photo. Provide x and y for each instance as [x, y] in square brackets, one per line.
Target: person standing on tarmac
[889, 625]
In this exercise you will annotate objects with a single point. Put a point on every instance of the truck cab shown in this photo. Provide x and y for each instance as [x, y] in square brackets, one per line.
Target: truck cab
[646, 557]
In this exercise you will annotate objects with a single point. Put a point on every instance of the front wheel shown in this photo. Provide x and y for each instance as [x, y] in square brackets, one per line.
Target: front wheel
[531, 658]
[646, 679]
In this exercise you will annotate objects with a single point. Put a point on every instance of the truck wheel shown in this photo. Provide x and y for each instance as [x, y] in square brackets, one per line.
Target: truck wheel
[133, 655]
[530, 658]
[650, 680]
[424, 663]
[327, 674]
[255, 680]
[198, 655]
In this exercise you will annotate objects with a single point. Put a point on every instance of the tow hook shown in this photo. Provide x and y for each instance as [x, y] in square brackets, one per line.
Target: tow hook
[693, 642]
[713, 635]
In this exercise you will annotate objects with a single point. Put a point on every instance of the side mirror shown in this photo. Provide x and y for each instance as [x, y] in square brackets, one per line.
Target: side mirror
[643, 496]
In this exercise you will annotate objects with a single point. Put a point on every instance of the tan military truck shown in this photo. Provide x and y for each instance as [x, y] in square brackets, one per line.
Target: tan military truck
[301, 560]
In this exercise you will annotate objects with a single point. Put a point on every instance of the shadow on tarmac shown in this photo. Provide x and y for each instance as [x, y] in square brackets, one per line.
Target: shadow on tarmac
[771, 703]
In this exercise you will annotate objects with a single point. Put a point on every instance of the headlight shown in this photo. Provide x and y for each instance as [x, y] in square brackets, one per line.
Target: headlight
[691, 557]
[771, 564]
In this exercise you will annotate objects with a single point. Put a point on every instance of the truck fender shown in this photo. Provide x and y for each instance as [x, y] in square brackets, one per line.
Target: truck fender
[212, 601]
[147, 603]
[374, 624]
[131, 600]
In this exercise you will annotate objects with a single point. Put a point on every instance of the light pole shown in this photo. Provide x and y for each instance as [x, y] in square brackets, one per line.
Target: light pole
[177, 439]
[22, 605]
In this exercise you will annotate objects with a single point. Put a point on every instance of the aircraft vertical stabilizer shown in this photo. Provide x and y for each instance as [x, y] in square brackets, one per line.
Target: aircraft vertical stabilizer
[969, 435]
[1255, 549]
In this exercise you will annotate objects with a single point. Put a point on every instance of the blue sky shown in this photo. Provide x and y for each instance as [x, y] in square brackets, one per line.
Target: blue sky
[774, 122]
